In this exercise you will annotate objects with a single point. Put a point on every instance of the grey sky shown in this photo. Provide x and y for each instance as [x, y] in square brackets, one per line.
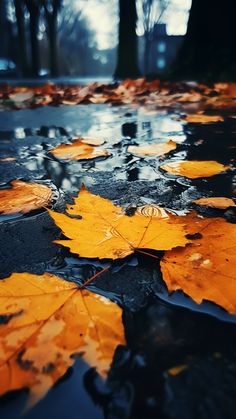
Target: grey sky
[103, 17]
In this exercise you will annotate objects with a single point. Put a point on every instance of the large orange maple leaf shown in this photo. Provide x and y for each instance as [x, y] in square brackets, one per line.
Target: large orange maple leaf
[104, 231]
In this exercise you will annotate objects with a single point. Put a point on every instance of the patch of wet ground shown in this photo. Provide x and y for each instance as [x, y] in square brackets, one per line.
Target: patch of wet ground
[162, 331]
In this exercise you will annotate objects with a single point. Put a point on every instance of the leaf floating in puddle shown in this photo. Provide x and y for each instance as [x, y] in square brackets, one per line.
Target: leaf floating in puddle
[24, 197]
[92, 140]
[206, 268]
[194, 169]
[8, 159]
[177, 370]
[50, 322]
[98, 98]
[78, 150]
[153, 149]
[22, 96]
[216, 202]
[104, 231]
[203, 119]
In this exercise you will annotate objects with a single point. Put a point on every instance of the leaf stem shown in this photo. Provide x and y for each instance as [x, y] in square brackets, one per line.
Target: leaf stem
[148, 254]
[94, 277]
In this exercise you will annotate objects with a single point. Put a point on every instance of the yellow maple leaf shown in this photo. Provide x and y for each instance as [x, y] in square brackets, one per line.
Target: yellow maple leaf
[104, 231]
[153, 149]
[79, 150]
[94, 141]
[45, 323]
[205, 269]
[194, 169]
[203, 118]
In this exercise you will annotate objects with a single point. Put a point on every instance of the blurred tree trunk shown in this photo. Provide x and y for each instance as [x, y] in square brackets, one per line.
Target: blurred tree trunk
[127, 56]
[208, 50]
[20, 21]
[3, 27]
[34, 12]
[51, 10]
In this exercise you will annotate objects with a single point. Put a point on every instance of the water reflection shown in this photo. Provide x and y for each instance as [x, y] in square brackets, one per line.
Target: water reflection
[121, 127]
[161, 124]
[20, 133]
[159, 339]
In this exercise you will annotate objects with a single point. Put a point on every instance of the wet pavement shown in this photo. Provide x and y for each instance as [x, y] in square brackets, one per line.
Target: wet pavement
[163, 331]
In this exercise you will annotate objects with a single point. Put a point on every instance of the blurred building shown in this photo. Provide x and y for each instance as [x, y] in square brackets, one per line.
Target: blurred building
[163, 49]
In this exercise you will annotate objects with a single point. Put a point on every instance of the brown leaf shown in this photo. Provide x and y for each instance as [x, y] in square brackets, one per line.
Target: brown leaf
[215, 202]
[24, 197]
[206, 268]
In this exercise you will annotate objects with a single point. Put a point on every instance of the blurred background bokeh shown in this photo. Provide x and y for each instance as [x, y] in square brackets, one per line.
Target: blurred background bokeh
[80, 38]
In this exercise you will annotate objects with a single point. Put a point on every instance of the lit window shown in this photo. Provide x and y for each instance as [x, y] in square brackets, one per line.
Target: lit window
[161, 46]
[161, 63]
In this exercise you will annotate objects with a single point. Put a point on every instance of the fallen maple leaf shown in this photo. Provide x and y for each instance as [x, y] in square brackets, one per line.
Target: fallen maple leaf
[92, 140]
[78, 150]
[215, 202]
[190, 97]
[205, 269]
[153, 149]
[45, 323]
[177, 370]
[104, 231]
[24, 197]
[194, 169]
[203, 119]
[20, 97]
[142, 91]
[97, 98]
[8, 159]
[228, 89]
[46, 89]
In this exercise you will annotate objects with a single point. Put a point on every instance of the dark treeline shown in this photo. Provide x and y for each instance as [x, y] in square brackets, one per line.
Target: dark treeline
[28, 15]
[55, 36]
[52, 35]
[127, 57]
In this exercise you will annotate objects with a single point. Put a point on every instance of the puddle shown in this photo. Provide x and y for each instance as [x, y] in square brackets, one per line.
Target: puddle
[162, 331]
[32, 146]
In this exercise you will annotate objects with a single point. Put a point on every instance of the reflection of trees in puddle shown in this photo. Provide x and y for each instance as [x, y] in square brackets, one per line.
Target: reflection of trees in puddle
[121, 127]
[212, 142]
[65, 175]
[161, 125]
[144, 380]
